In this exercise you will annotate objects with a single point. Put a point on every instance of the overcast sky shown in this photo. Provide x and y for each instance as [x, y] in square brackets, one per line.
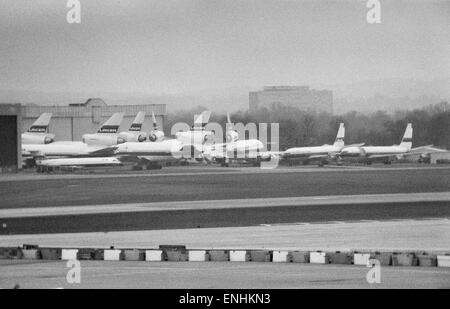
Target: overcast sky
[160, 47]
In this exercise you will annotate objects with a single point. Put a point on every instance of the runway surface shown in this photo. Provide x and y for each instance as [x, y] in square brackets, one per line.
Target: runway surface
[409, 235]
[423, 198]
[189, 186]
[207, 275]
[223, 217]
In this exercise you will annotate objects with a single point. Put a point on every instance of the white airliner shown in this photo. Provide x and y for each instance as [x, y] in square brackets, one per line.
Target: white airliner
[101, 143]
[38, 132]
[151, 154]
[368, 154]
[317, 153]
[135, 134]
[160, 150]
[234, 149]
[105, 146]
[49, 165]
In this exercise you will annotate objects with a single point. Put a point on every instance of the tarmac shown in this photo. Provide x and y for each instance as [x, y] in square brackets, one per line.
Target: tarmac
[226, 275]
[406, 235]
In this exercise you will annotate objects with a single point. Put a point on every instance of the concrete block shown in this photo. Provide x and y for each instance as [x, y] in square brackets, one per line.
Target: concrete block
[361, 258]
[239, 256]
[318, 257]
[219, 255]
[154, 255]
[134, 255]
[175, 256]
[51, 253]
[299, 256]
[86, 254]
[280, 256]
[443, 260]
[198, 256]
[112, 255]
[340, 258]
[404, 259]
[425, 260]
[31, 254]
[259, 256]
[69, 254]
[174, 253]
[99, 255]
[385, 258]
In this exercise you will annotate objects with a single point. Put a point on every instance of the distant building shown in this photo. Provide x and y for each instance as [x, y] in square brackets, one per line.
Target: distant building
[440, 158]
[70, 122]
[300, 97]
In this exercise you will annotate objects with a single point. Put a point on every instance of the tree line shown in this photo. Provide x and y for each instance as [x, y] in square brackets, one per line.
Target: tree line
[309, 128]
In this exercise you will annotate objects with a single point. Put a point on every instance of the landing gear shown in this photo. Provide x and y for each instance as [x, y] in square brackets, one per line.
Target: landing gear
[154, 166]
[137, 167]
[257, 164]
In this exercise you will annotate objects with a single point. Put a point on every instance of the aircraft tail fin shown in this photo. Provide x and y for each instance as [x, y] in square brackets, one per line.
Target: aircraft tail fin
[112, 124]
[155, 124]
[136, 126]
[229, 125]
[201, 120]
[407, 137]
[340, 136]
[41, 124]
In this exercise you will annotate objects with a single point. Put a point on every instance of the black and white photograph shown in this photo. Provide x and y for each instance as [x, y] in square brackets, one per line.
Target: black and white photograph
[224, 150]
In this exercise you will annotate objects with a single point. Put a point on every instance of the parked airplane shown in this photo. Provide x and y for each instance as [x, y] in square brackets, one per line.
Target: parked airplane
[65, 149]
[234, 149]
[135, 134]
[38, 132]
[48, 165]
[150, 155]
[368, 154]
[317, 153]
[105, 146]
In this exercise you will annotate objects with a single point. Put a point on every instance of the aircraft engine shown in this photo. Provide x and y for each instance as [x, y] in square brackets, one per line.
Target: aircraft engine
[133, 137]
[352, 151]
[102, 139]
[232, 136]
[156, 135]
[38, 139]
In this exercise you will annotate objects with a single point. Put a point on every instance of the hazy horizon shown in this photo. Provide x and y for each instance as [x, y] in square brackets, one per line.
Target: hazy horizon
[140, 48]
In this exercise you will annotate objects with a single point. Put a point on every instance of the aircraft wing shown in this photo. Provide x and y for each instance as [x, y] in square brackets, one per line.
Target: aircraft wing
[355, 145]
[317, 157]
[383, 156]
[145, 158]
[34, 154]
[104, 152]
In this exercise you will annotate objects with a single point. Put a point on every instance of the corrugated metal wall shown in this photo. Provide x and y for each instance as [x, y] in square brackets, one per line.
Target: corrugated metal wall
[71, 122]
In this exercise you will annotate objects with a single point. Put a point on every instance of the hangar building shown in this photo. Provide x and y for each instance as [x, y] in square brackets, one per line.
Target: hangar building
[70, 122]
[10, 137]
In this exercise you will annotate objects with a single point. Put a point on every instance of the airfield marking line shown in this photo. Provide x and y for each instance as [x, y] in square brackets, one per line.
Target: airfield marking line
[226, 204]
[230, 171]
